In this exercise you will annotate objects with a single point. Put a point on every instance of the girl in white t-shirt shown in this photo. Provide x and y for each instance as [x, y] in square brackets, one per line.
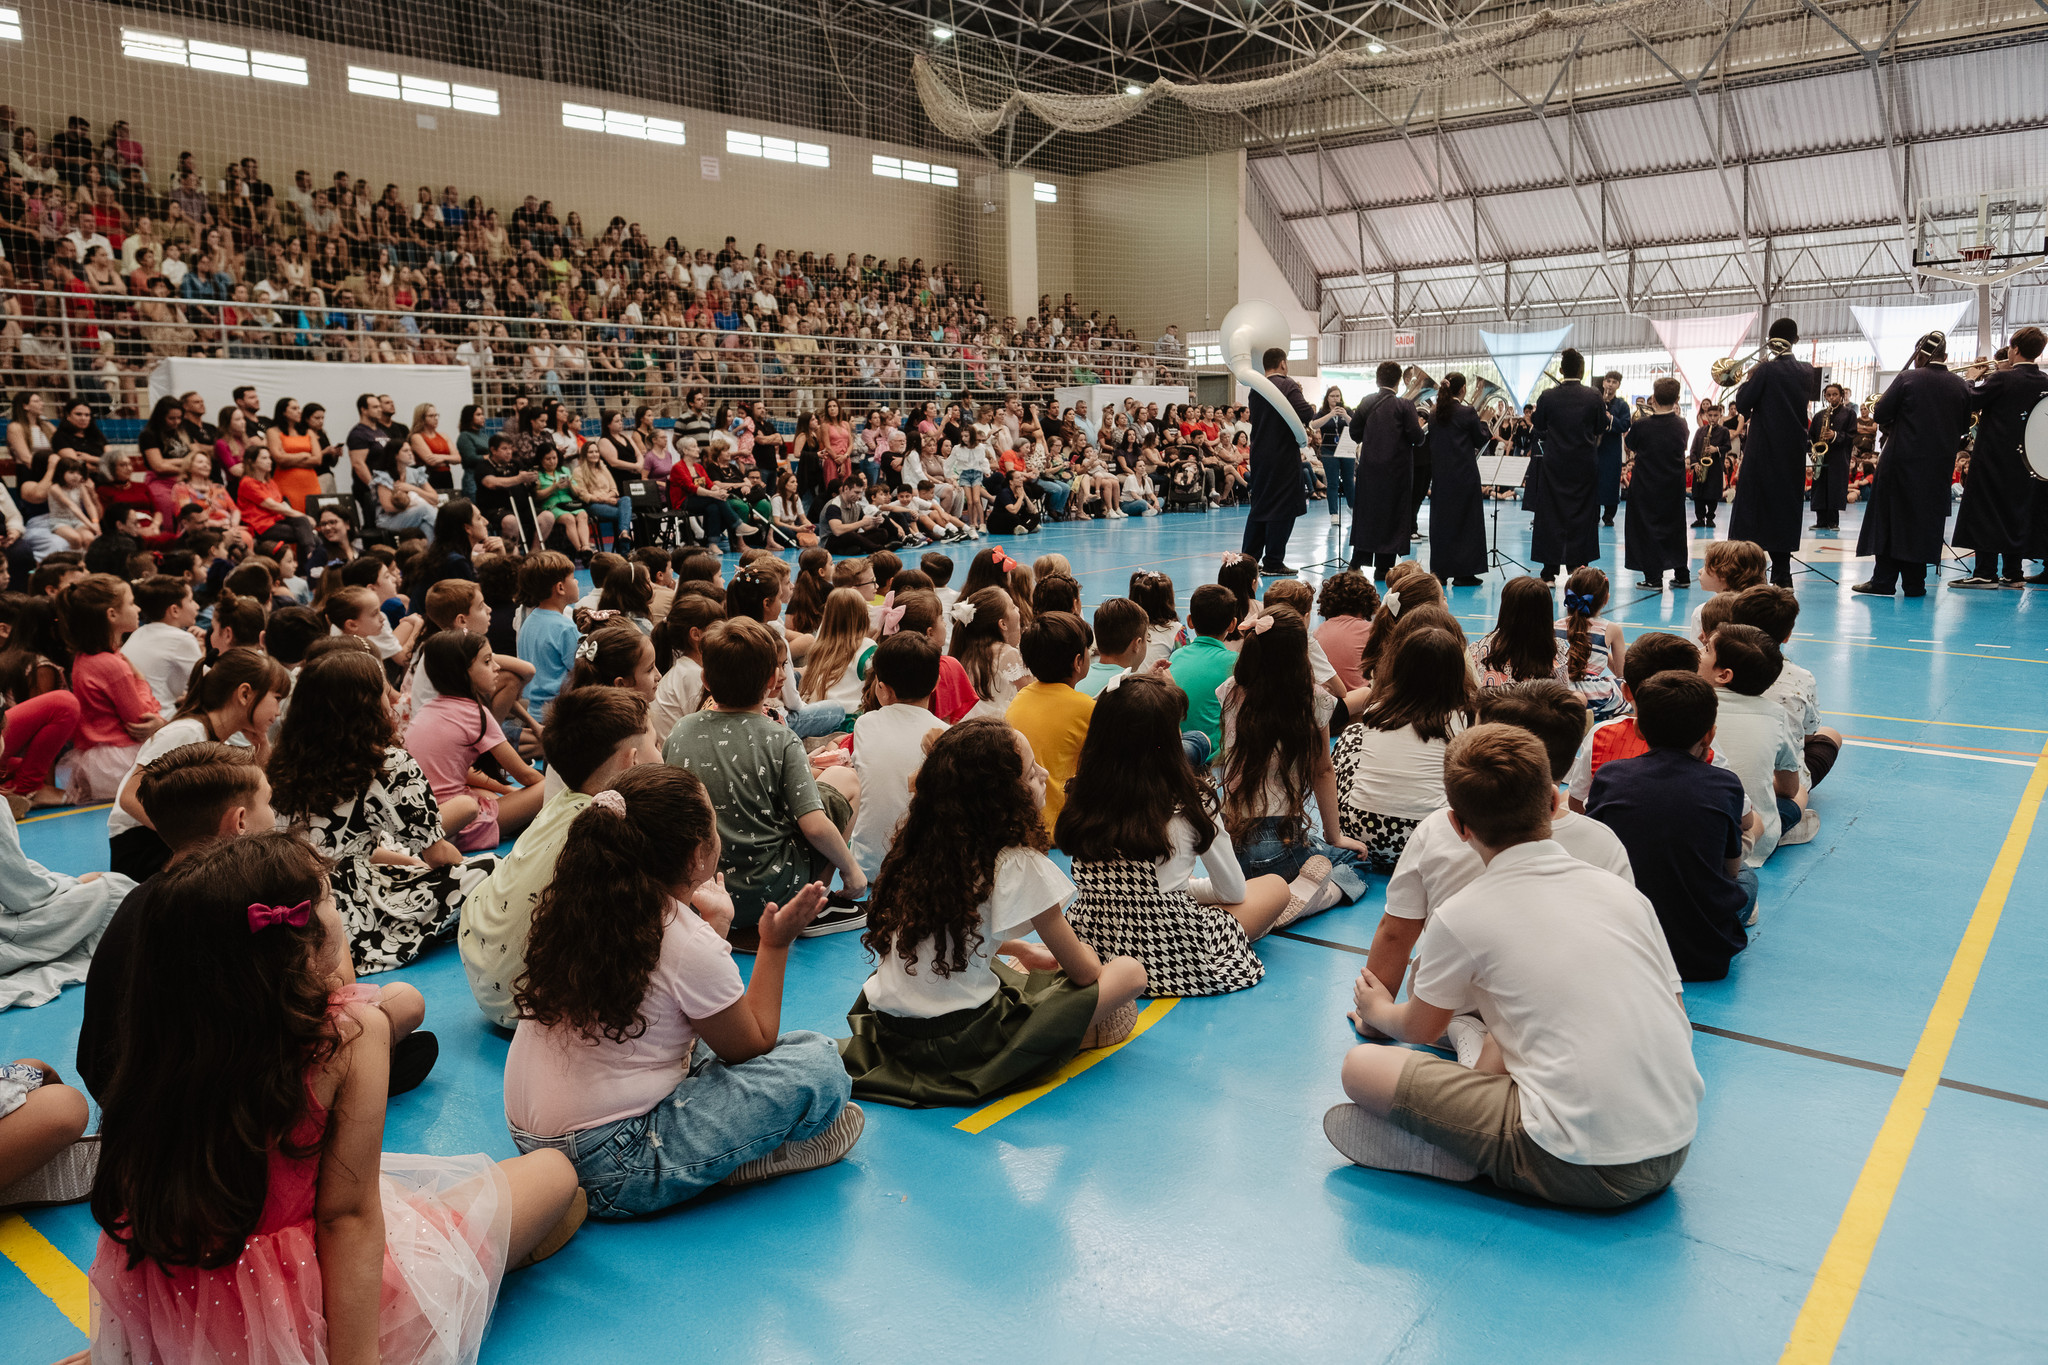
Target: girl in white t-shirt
[960, 1009]
[830, 670]
[986, 630]
[1276, 755]
[234, 701]
[1390, 765]
[1153, 591]
[679, 644]
[640, 1054]
[969, 466]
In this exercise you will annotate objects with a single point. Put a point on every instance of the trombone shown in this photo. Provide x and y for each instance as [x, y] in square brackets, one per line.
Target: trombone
[1731, 370]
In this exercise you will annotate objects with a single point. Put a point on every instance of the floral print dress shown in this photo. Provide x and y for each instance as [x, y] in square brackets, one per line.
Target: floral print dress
[392, 911]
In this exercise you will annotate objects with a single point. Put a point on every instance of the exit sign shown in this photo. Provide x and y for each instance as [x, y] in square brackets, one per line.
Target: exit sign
[1404, 341]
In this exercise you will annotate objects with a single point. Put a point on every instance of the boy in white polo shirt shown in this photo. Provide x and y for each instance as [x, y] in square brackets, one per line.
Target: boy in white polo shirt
[1585, 1093]
[1437, 863]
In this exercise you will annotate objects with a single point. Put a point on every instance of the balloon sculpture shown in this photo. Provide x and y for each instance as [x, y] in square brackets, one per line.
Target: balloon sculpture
[1251, 329]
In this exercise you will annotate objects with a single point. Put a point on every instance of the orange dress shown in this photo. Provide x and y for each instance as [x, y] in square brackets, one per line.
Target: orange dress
[297, 484]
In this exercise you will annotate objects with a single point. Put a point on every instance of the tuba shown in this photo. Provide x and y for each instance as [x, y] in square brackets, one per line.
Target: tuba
[1250, 329]
[1414, 381]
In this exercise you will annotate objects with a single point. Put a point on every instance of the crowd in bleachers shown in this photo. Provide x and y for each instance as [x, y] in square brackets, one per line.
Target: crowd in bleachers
[174, 260]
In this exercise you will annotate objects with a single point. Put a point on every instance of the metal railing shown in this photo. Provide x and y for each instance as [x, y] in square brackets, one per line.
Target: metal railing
[103, 347]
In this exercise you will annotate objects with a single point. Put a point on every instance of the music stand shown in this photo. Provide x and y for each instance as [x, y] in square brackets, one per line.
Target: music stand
[1502, 471]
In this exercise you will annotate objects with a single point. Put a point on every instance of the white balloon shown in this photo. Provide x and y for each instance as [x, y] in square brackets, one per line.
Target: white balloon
[1249, 330]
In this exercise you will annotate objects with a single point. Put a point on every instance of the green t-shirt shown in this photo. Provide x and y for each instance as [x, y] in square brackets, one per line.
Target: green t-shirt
[760, 784]
[1199, 668]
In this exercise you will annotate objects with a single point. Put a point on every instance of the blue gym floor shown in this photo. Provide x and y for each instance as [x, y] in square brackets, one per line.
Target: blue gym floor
[1177, 1201]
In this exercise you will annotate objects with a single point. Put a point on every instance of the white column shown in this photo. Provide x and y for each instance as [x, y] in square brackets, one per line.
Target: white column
[1020, 220]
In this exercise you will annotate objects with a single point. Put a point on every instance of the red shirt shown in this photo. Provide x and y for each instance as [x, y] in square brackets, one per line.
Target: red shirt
[111, 696]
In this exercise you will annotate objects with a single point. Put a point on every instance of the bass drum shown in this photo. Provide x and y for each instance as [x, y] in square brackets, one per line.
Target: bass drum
[2034, 441]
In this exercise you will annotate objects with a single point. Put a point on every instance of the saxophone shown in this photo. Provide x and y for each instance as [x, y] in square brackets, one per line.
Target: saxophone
[1819, 454]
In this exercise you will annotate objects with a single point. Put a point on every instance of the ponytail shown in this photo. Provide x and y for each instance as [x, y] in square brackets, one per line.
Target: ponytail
[212, 688]
[1585, 592]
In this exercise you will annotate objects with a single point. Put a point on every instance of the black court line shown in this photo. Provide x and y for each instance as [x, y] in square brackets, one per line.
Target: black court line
[1752, 1039]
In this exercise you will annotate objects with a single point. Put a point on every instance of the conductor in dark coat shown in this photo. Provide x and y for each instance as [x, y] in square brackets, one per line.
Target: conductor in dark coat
[1570, 421]
[1831, 481]
[1618, 417]
[1457, 524]
[1655, 527]
[1998, 515]
[1276, 492]
[1771, 495]
[1387, 431]
[1923, 415]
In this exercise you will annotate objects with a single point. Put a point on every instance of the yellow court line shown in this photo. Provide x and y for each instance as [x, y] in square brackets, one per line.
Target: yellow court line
[60, 814]
[988, 1117]
[48, 1269]
[1954, 724]
[1826, 1311]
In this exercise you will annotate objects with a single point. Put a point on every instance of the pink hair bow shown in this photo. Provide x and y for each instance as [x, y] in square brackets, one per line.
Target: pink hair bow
[1262, 625]
[892, 615]
[262, 916]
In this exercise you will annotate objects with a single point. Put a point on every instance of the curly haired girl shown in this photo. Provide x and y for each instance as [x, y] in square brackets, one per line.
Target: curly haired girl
[640, 1053]
[967, 874]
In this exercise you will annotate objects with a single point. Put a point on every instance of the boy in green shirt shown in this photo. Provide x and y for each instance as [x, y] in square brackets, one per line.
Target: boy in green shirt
[781, 824]
[1200, 666]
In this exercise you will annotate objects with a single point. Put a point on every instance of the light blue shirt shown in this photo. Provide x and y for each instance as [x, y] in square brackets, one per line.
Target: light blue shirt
[548, 641]
[1099, 674]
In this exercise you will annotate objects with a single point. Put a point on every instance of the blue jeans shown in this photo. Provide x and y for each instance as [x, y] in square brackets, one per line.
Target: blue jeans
[1745, 877]
[1340, 471]
[1056, 494]
[1263, 851]
[816, 718]
[418, 517]
[617, 515]
[1135, 507]
[716, 1120]
[1789, 814]
[1196, 745]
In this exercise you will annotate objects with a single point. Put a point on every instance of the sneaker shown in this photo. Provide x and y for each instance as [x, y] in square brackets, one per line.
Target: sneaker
[1803, 832]
[1368, 1140]
[1467, 1036]
[1306, 889]
[1112, 1028]
[839, 915]
[821, 1149]
[1278, 570]
[1973, 581]
[2012, 583]
[1872, 588]
[65, 1178]
[559, 1235]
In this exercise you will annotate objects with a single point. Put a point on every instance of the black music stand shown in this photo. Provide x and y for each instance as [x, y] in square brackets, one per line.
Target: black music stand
[1497, 558]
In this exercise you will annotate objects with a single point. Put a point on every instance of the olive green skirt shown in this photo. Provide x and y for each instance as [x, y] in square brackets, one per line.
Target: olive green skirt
[1030, 1027]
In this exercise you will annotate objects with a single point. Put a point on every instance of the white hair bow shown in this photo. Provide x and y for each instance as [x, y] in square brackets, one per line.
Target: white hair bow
[1393, 602]
[586, 649]
[963, 613]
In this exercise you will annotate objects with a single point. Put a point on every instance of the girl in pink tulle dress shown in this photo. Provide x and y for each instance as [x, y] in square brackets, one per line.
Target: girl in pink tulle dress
[291, 1248]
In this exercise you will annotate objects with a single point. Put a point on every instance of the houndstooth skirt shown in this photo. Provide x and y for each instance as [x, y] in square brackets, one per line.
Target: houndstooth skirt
[1187, 948]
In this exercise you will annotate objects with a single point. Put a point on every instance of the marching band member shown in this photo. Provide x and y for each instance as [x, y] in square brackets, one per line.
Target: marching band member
[1655, 538]
[1923, 414]
[1998, 512]
[1570, 421]
[1774, 398]
[1831, 480]
[1711, 446]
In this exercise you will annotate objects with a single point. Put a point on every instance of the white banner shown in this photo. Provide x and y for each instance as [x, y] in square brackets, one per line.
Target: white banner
[334, 386]
[1696, 343]
[1521, 357]
[1893, 332]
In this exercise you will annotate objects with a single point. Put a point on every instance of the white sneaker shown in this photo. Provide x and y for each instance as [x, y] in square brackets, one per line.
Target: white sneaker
[1467, 1034]
[1369, 1140]
[1803, 832]
[821, 1149]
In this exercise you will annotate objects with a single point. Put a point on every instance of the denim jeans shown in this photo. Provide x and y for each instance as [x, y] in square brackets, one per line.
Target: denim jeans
[617, 515]
[1056, 494]
[1745, 878]
[1264, 851]
[1340, 470]
[817, 718]
[415, 517]
[1196, 744]
[717, 1119]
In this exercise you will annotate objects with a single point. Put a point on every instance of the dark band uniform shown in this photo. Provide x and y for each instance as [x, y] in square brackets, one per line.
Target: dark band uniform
[1770, 497]
[1655, 529]
[1387, 432]
[1998, 515]
[1923, 416]
[1831, 481]
[1570, 420]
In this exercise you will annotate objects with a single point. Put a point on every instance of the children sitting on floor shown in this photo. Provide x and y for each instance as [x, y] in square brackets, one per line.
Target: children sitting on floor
[1438, 863]
[1681, 820]
[116, 709]
[1755, 735]
[449, 734]
[163, 648]
[640, 1054]
[1201, 665]
[1389, 763]
[782, 823]
[1728, 566]
[257, 1215]
[959, 1008]
[1652, 653]
[889, 742]
[547, 637]
[1593, 649]
[1774, 611]
[1120, 644]
[1570, 976]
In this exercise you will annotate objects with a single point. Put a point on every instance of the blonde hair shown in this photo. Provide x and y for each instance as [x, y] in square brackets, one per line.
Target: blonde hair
[842, 630]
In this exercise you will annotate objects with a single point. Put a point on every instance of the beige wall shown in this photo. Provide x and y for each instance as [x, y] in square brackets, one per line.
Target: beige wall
[71, 62]
[1156, 243]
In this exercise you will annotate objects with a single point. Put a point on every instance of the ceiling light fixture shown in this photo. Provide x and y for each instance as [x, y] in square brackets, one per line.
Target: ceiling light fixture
[1375, 48]
[1134, 89]
[940, 35]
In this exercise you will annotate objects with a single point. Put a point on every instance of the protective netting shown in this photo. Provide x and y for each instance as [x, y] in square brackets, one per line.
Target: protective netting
[953, 113]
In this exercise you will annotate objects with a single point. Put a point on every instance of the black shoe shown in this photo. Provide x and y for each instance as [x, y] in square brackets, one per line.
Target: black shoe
[1873, 588]
[2037, 579]
[1682, 581]
[840, 914]
[1607, 521]
[1973, 581]
[1468, 581]
[412, 1057]
[1278, 570]
[1649, 586]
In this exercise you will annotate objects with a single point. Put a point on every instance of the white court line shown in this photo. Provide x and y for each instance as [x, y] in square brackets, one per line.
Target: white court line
[1981, 645]
[1923, 642]
[1939, 753]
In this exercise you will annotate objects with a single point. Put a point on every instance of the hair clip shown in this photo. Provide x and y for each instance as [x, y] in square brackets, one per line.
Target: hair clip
[586, 649]
[962, 613]
[1392, 602]
[262, 916]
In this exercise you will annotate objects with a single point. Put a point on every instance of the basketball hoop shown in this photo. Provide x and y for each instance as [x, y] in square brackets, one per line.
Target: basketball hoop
[1975, 255]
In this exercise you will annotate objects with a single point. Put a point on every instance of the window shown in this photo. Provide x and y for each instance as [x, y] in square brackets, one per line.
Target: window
[895, 168]
[10, 25]
[1297, 348]
[1044, 193]
[776, 148]
[1205, 354]
[595, 120]
[198, 55]
[389, 85]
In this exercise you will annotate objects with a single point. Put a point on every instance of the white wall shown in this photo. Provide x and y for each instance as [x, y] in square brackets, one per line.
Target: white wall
[1259, 277]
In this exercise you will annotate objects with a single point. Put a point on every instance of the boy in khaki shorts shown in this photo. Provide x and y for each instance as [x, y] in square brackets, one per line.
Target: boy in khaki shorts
[1585, 1092]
